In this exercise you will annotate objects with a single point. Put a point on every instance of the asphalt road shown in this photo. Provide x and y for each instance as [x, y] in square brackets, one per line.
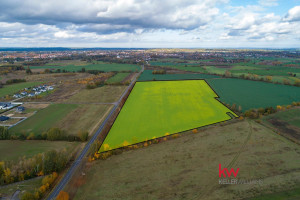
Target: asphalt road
[78, 160]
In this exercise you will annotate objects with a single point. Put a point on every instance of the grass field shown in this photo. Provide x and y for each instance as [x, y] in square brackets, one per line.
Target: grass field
[12, 150]
[187, 167]
[84, 117]
[193, 67]
[148, 76]
[105, 94]
[101, 66]
[44, 119]
[14, 88]
[117, 78]
[69, 117]
[291, 116]
[159, 107]
[287, 123]
[285, 195]
[254, 94]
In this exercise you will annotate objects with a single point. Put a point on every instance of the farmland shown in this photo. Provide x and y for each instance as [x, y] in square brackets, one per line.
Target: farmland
[105, 94]
[187, 167]
[165, 107]
[11, 89]
[285, 122]
[69, 117]
[148, 76]
[43, 119]
[117, 78]
[254, 94]
[12, 150]
[101, 66]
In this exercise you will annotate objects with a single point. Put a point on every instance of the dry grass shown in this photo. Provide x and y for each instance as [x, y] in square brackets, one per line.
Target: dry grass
[187, 167]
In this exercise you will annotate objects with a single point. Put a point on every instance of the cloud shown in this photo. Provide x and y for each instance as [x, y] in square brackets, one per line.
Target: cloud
[293, 14]
[268, 3]
[149, 14]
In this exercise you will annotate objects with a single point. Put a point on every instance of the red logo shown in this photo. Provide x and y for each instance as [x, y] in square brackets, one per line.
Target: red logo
[222, 171]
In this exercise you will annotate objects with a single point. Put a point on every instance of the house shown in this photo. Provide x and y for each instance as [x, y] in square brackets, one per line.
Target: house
[5, 105]
[3, 118]
[30, 95]
[20, 109]
[23, 93]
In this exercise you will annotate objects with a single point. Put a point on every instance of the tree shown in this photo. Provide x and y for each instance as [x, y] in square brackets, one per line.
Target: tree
[62, 196]
[227, 73]
[83, 135]
[28, 70]
[268, 78]
[28, 196]
[4, 133]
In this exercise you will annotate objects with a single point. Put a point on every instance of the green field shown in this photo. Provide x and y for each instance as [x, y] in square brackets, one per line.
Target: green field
[291, 116]
[43, 119]
[117, 78]
[101, 66]
[148, 76]
[12, 150]
[14, 88]
[187, 167]
[69, 117]
[254, 94]
[193, 67]
[156, 108]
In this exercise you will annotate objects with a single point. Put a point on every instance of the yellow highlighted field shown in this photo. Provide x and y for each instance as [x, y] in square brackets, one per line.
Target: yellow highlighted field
[156, 108]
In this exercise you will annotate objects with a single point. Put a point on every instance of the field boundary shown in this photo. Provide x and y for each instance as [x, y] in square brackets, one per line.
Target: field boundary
[181, 132]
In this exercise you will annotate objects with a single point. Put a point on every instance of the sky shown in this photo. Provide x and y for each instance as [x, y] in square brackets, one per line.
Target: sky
[150, 23]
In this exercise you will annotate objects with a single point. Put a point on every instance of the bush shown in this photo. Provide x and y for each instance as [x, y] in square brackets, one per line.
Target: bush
[55, 134]
[28, 196]
[62, 196]
[83, 135]
[90, 86]
[15, 81]
[4, 135]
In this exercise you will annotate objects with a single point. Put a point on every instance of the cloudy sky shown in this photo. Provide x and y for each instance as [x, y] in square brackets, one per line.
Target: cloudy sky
[150, 23]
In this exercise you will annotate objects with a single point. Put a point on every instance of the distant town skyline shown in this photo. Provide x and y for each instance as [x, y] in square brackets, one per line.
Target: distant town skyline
[150, 23]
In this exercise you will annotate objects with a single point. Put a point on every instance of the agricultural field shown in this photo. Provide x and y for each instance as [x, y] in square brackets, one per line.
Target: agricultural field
[285, 122]
[119, 77]
[12, 150]
[148, 76]
[101, 66]
[193, 67]
[261, 69]
[187, 167]
[14, 88]
[164, 107]
[104, 94]
[69, 117]
[254, 94]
